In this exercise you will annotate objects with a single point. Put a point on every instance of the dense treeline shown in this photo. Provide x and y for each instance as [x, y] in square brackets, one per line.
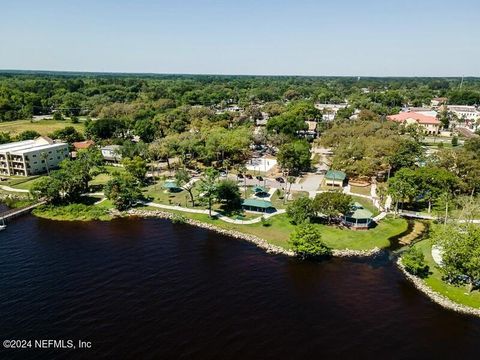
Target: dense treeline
[25, 94]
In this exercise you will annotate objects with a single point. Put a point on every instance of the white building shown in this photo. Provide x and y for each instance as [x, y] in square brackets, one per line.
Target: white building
[465, 113]
[30, 157]
[111, 153]
[329, 111]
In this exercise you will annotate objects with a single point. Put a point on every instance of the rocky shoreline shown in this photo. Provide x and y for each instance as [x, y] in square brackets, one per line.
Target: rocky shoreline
[435, 296]
[261, 243]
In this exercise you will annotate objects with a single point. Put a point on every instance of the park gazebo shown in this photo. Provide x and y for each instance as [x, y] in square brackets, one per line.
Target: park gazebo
[358, 218]
[171, 186]
[335, 178]
[260, 191]
[258, 205]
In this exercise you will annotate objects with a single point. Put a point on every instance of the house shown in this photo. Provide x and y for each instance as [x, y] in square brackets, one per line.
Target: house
[430, 123]
[30, 157]
[258, 205]
[329, 111]
[439, 101]
[111, 153]
[81, 145]
[335, 178]
[358, 217]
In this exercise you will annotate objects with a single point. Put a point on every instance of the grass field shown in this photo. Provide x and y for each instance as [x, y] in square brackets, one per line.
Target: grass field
[24, 183]
[362, 190]
[279, 231]
[103, 178]
[44, 127]
[434, 280]
[367, 204]
[74, 212]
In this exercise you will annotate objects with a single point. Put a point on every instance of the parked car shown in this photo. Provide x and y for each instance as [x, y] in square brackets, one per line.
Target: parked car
[248, 176]
[240, 176]
[280, 180]
[223, 173]
[259, 178]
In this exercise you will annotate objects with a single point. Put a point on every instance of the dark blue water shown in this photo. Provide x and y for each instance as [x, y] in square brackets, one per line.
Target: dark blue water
[149, 289]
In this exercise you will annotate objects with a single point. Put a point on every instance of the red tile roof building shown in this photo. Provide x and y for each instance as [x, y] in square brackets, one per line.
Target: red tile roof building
[83, 144]
[430, 123]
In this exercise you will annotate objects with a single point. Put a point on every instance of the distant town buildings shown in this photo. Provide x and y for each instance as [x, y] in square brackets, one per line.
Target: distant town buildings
[430, 123]
[31, 157]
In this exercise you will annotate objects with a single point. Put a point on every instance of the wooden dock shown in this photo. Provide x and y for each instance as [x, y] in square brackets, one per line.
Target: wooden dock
[13, 213]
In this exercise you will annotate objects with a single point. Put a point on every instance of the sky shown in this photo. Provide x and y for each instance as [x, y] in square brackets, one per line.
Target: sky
[262, 37]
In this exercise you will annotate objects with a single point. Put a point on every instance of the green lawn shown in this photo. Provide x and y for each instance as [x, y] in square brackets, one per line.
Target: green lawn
[362, 190]
[44, 127]
[281, 203]
[434, 280]
[103, 178]
[21, 182]
[73, 212]
[367, 204]
[279, 231]
[160, 195]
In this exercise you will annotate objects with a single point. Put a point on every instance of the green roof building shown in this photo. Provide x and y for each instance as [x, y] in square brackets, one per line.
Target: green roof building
[259, 189]
[335, 178]
[171, 186]
[358, 218]
[257, 205]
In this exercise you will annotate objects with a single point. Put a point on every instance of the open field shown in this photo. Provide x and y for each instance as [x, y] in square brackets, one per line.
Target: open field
[44, 127]
[280, 228]
[434, 280]
[23, 182]
[362, 190]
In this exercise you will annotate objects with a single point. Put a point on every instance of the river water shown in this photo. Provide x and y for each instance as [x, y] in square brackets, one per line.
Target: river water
[151, 289]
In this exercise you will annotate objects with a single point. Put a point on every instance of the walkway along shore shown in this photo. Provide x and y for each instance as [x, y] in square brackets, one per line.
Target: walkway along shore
[435, 296]
[261, 243]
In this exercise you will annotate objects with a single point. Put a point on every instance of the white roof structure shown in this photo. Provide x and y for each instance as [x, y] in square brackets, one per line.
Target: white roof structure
[26, 146]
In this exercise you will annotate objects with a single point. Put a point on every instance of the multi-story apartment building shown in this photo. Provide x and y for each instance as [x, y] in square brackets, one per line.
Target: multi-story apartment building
[30, 157]
[465, 113]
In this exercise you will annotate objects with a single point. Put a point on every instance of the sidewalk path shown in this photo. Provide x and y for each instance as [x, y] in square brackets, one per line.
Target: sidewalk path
[214, 213]
[8, 188]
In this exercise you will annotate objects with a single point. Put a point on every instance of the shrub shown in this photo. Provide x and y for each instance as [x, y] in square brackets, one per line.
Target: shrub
[414, 262]
[179, 219]
[306, 242]
[455, 141]
[265, 222]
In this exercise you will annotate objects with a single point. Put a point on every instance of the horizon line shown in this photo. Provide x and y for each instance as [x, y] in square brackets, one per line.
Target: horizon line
[228, 75]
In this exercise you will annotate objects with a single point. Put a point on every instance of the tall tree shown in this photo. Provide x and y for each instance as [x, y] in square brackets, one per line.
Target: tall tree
[306, 242]
[184, 180]
[295, 156]
[460, 253]
[208, 187]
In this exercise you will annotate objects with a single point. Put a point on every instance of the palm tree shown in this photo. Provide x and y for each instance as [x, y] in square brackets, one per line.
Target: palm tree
[208, 187]
[44, 157]
[242, 169]
[183, 179]
[290, 181]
